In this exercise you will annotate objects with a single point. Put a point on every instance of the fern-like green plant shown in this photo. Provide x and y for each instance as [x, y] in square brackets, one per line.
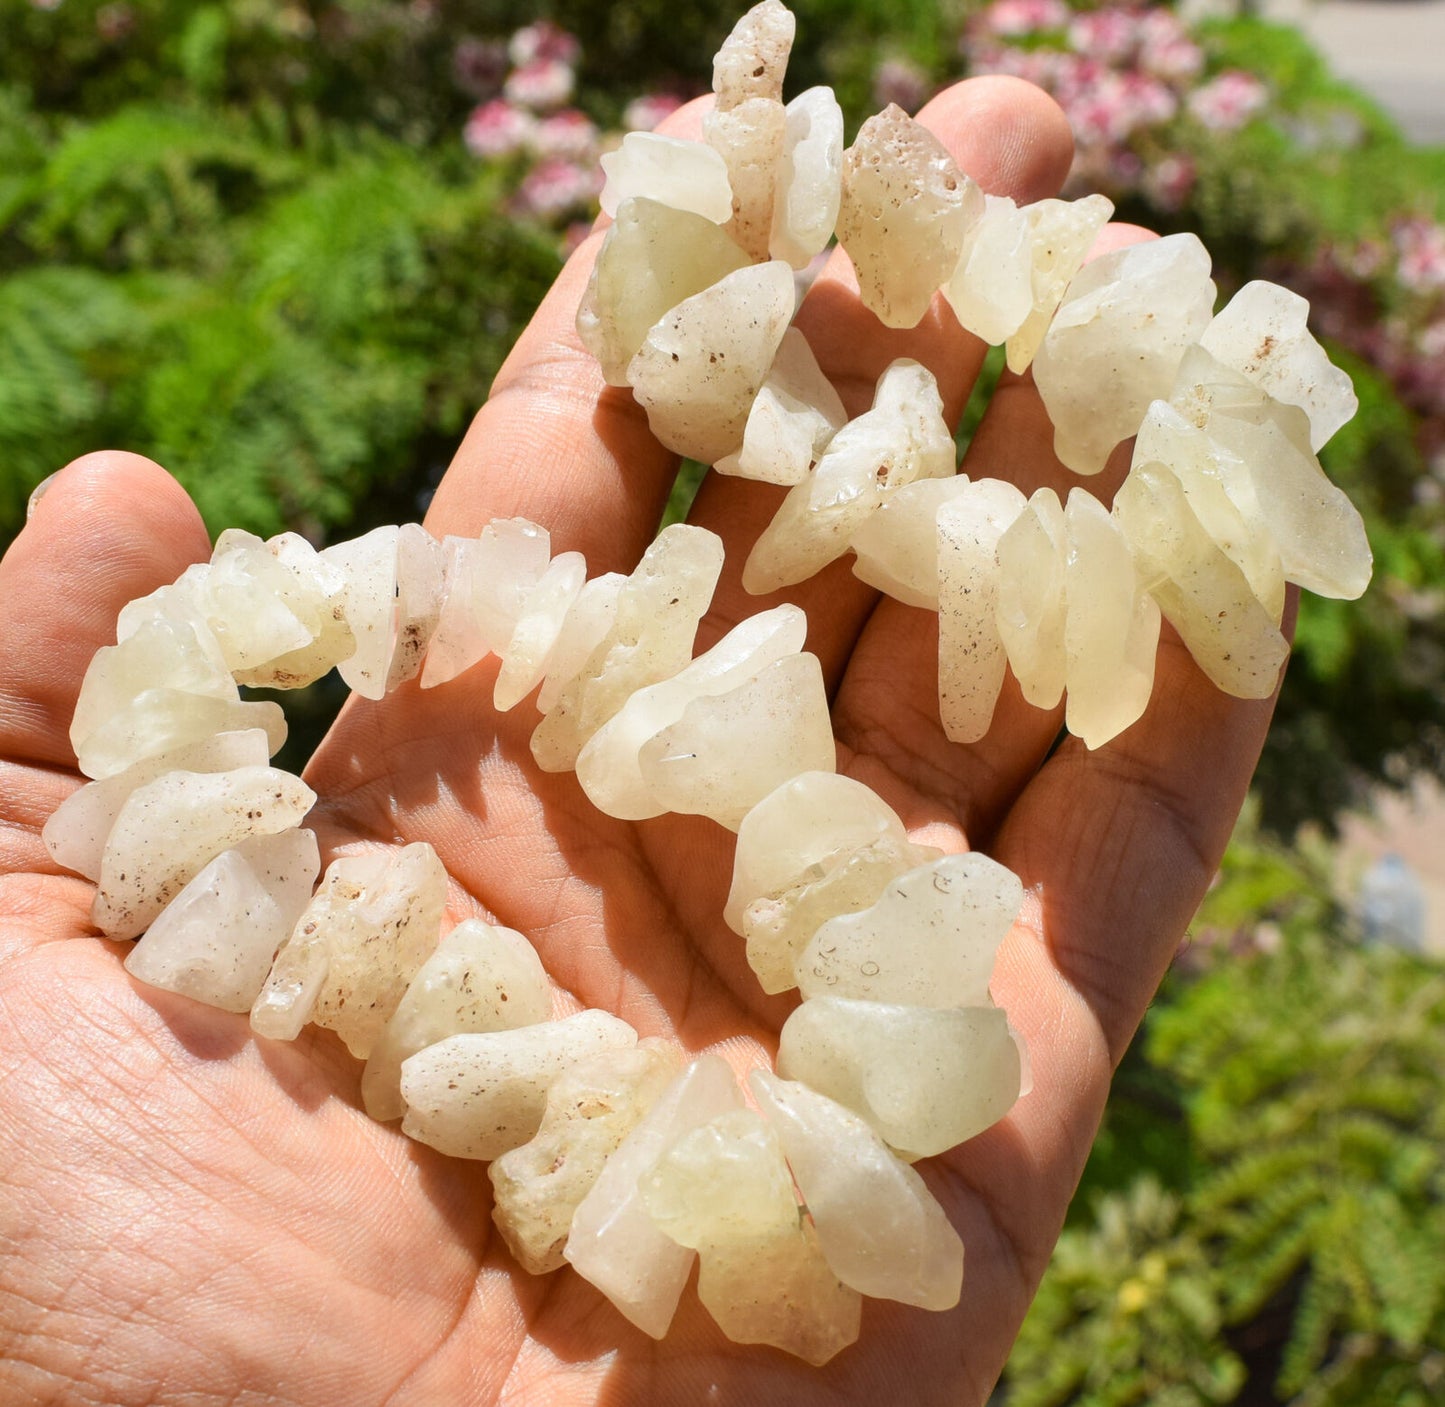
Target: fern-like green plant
[1130, 1313]
[1314, 1104]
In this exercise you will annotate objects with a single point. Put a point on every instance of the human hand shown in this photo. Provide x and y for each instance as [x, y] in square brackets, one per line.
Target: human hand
[188, 1214]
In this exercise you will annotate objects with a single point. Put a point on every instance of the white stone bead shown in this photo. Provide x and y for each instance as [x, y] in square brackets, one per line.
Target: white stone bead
[905, 212]
[727, 751]
[1111, 630]
[169, 828]
[650, 639]
[970, 649]
[1318, 531]
[897, 548]
[161, 652]
[591, 1107]
[373, 922]
[480, 977]
[703, 362]
[749, 137]
[817, 846]
[526, 655]
[215, 940]
[651, 259]
[810, 176]
[1061, 234]
[793, 417]
[1262, 334]
[1204, 596]
[902, 438]
[608, 767]
[1031, 607]
[76, 833]
[754, 57]
[991, 289]
[479, 1095]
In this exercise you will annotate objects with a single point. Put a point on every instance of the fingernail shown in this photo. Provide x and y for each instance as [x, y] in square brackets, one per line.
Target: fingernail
[37, 493]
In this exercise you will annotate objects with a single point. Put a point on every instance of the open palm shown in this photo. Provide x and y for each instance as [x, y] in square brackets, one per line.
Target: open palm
[190, 1215]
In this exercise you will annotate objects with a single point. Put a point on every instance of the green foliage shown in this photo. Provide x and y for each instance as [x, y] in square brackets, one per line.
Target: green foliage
[1130, 1313]
[290, 320]
[1306, 1221]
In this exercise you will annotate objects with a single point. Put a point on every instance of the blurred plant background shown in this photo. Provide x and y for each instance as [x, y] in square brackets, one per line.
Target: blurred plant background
[282, 248]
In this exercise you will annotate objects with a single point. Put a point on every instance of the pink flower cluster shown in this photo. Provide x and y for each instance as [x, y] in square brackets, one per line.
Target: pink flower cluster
[534, 76]
[1123, 73]
[525, 84]
[1385, 300]
[1228, 100]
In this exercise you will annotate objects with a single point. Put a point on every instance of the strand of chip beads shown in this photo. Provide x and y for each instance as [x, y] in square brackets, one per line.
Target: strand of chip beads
[597, 1141]
[604, 1153]
[690, 304]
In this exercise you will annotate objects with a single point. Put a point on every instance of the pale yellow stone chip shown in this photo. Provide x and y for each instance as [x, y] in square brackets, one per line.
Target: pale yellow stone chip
[1031, 607]
[609, 766]
[903, 216]
[1202, 594]
[481, 1095]
[1111, 630]
[902, 438]
[727, 751]
[170, 828]
[591, 1107]
[818, 845]
[372, 923]
[793, 417]
[753, 59]
[648, 640]
[1116, 342]
[1318, 531]
[215, 940]
[925, 1079]
[76, 832]
[686, 175]
[1262, 333]
[971, 658]
[749, 137]
[614, 1244]
[652, 258]
[724, 1190]
[809, 183]
[1061, 234]
[928, 940]
[879, 1227]
[991, 287]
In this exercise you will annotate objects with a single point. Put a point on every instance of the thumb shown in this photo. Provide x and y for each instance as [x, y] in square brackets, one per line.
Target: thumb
[104, 530]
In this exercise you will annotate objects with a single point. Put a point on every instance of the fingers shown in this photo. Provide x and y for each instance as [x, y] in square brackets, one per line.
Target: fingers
[1014, 140]
[106, 529]
[1122, 842]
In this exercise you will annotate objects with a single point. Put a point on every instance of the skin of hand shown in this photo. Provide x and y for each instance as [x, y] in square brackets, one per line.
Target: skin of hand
[189, 1215]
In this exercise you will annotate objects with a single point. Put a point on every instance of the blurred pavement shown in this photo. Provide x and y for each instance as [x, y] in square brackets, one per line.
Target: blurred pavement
[1393, 49]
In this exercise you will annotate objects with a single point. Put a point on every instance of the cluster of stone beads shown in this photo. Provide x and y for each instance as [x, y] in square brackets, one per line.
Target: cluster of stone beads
[691, 305]
[612, 1153]
[605, 1151]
